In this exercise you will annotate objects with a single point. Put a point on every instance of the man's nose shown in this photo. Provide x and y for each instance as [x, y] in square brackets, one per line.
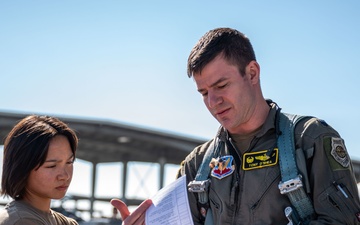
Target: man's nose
[213, 99]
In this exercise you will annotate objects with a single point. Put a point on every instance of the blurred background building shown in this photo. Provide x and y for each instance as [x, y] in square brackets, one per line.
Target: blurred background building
[102, 142]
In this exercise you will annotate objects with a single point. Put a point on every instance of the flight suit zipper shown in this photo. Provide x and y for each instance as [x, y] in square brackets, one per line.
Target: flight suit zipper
[241, 182]
[234, 195]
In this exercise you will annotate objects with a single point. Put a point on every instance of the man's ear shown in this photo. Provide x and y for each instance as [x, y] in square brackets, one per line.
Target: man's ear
[252, 70]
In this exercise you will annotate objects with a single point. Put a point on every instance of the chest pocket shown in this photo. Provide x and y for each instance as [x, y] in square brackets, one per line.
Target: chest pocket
[223, 204]
[259, 188]
[262, 203]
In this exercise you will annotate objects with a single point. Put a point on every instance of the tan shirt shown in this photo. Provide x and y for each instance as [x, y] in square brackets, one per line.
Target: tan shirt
[20, 213]
[250, 194]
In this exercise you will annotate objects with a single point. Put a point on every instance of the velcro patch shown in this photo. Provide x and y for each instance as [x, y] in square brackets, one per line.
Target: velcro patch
[257, 160]
[222, 167]
[337, 154]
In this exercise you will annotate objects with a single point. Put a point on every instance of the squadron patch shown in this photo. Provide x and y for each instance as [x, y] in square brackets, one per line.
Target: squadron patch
[339, 152]
[222, 166]
[336, 153]
[257, 160]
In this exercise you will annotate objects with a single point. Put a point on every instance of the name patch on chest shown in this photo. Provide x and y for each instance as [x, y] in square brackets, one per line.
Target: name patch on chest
[258, 160]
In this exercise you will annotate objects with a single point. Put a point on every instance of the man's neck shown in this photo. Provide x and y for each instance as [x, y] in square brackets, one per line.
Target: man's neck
[256, 120]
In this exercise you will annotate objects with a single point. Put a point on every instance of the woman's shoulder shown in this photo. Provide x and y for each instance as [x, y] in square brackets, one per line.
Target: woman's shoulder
[16, 213]
[62, 219]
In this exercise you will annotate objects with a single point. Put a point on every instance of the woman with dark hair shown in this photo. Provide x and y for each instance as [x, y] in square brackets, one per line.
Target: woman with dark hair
[39, 153]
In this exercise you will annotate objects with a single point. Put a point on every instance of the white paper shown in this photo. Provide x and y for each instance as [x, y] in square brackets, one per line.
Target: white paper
[170, 205]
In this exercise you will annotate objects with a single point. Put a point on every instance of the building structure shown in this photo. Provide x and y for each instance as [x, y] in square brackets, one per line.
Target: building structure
[103, 141]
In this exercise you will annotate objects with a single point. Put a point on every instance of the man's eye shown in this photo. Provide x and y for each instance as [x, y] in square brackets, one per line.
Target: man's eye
[222, 86]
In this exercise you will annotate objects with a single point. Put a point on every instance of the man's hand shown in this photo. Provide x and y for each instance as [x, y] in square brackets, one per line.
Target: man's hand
[135, 218]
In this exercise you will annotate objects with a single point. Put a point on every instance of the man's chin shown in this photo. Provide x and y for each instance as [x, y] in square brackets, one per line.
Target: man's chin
[224, 122]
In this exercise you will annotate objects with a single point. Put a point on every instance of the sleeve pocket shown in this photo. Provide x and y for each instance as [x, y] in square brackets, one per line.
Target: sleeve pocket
[334, 201]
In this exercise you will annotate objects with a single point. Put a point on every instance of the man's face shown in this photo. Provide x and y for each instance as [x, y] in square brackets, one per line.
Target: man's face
[229, 96]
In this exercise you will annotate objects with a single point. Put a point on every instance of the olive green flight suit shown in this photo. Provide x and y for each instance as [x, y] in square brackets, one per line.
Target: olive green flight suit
[250, 194]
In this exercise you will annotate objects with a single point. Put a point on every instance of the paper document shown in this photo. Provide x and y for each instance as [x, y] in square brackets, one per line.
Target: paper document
[170, 205]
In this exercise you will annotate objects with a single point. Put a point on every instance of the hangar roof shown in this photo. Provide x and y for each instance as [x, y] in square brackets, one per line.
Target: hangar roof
[109, 141]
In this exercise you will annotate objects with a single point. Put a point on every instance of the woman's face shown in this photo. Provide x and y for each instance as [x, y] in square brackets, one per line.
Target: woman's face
[52, 179]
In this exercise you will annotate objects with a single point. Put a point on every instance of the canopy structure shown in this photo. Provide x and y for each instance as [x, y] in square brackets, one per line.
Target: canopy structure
[102, 141]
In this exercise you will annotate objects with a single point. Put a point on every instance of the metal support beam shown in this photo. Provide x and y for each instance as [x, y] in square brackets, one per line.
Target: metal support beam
[162, 162]
[93, 183]
[124, 181]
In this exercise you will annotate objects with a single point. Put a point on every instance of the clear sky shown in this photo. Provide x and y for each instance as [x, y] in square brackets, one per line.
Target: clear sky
[126, 60]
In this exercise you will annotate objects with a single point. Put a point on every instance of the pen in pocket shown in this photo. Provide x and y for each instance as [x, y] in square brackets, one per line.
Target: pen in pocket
[341, 189]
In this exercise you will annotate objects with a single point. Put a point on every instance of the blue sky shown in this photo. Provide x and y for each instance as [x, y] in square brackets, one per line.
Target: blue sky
[125, 61]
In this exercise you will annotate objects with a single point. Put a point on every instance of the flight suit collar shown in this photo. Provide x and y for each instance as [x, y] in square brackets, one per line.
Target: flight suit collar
[270, 120]
[269, 123]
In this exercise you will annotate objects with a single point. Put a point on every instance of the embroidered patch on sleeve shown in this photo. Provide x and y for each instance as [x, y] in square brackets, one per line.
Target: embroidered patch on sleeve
[257, 160]
[337, 154]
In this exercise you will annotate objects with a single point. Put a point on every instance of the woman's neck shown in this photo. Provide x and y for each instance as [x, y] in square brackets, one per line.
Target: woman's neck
[42, 204]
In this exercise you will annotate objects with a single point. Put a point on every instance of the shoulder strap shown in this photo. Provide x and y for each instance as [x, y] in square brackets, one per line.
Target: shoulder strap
[201, 182]
[291, 181]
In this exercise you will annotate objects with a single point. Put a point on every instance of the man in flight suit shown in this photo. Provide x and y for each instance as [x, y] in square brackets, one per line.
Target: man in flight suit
[227, 75]
[245, 173]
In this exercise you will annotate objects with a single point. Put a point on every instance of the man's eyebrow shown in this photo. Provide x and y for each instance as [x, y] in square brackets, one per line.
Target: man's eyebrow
[214, 84]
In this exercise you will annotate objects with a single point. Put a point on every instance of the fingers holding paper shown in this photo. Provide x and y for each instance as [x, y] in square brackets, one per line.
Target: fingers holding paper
[137, 217]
